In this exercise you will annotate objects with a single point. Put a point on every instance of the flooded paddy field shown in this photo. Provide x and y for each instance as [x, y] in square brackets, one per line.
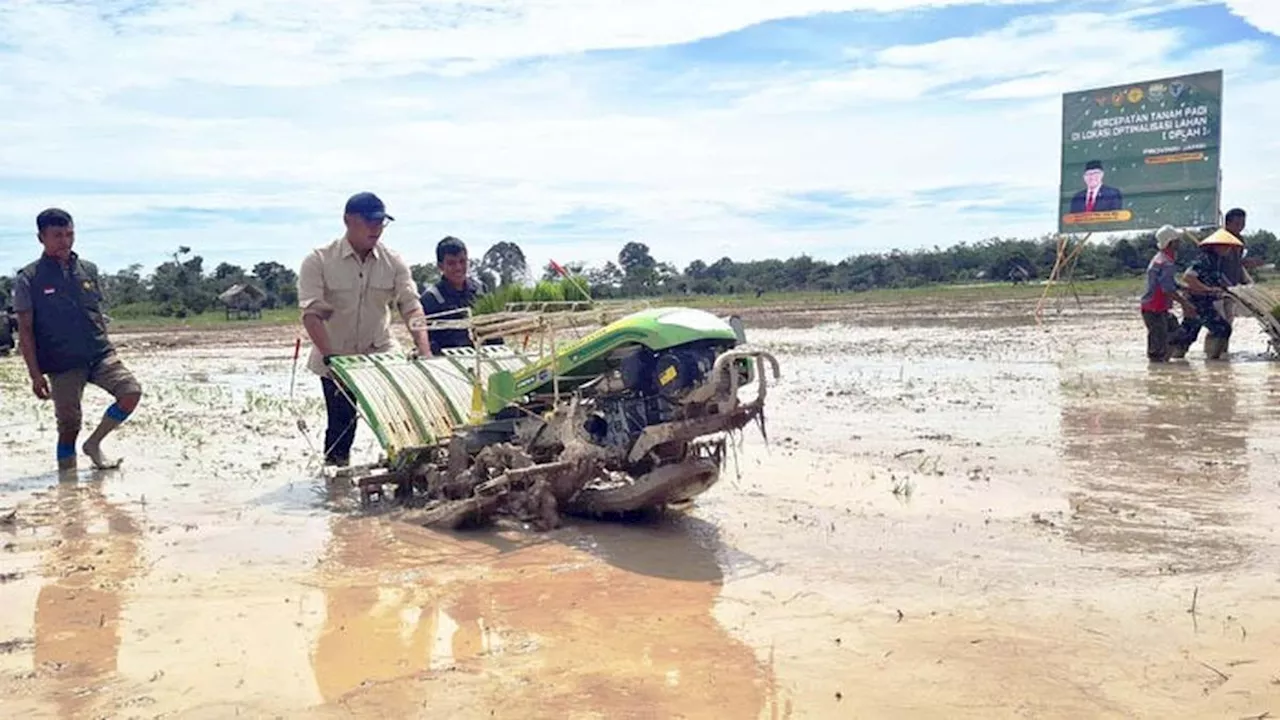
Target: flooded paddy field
[956, 513]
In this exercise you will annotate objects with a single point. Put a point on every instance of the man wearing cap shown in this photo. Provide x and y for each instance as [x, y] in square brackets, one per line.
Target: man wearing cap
[346, 290]
[1206, 281]
[1162, 291]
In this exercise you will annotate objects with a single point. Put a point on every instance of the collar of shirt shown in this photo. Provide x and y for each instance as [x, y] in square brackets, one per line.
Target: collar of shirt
[348, 251]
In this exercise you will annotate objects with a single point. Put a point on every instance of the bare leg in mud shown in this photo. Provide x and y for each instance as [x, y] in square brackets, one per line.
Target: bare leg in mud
[111, 375]
[115, 415]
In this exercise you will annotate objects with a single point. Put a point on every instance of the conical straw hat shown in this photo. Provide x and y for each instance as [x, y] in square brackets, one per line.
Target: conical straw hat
[1222, 237]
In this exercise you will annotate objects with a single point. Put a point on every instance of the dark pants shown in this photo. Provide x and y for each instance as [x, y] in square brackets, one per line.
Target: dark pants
[1162, 333]
[1206, 317]
[341, 430]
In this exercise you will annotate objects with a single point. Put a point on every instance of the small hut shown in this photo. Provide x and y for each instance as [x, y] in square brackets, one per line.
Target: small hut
[244, 300]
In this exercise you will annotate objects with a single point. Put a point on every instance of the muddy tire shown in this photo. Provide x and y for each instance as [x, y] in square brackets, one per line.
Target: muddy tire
[668, 485]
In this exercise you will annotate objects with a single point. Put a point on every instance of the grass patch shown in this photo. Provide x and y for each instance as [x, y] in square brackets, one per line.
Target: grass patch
[212, 320]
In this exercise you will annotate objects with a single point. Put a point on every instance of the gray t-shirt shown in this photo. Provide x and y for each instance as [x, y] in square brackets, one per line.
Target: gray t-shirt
[22, 291]
[21, 294]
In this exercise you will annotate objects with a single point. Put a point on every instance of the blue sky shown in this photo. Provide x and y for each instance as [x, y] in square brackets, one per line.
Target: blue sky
[751, 128]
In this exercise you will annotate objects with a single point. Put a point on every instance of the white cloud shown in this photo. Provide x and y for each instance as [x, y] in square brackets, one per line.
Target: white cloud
[234, 40]
[252, 116]
[1262, 14]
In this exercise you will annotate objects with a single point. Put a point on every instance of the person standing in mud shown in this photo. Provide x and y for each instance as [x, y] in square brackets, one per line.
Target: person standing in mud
[1236, 266]
[346, 289]
[1206, 281]
[63, 336]
[1161, 292]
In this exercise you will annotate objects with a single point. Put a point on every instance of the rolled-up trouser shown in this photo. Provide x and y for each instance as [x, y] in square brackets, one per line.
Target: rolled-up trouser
[67, 389]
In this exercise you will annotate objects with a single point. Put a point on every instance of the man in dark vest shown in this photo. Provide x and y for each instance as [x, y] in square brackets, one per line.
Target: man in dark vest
[63, 336]
[448, 297]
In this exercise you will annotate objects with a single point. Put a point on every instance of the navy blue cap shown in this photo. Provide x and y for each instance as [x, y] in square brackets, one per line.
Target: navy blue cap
[368, 206]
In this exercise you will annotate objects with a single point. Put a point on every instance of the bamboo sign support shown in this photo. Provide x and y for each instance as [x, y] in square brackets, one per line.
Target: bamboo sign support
[1065, 261]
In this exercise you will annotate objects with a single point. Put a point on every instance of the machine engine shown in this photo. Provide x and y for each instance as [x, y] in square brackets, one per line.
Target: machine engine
[654, 384]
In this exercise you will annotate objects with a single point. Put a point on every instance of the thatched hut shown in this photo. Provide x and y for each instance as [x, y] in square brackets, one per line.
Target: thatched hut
[244, 300]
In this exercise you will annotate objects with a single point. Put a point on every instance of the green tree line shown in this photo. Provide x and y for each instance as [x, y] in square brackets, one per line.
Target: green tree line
[181, 286]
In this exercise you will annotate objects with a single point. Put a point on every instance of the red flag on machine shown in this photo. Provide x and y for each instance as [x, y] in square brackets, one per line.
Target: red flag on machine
[556, 266]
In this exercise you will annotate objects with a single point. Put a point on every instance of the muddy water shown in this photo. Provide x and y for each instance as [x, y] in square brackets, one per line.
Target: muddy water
[959, 515]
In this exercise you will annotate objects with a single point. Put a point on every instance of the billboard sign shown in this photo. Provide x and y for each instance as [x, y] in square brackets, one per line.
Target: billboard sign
[1139, 155]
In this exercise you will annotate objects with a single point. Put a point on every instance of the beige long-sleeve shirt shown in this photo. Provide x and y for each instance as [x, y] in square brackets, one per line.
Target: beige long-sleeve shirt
[355, 298]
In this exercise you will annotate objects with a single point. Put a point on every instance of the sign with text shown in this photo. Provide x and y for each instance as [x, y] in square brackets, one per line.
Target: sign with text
[1139, 155]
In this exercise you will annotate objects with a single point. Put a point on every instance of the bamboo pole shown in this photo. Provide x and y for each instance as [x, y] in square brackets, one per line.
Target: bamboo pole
[1057, 269]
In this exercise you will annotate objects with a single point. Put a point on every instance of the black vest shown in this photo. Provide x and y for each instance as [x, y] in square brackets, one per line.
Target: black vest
[441, 298]
[66, 314]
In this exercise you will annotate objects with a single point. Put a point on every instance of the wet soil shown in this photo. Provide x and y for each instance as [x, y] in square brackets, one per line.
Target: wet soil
[957, 513]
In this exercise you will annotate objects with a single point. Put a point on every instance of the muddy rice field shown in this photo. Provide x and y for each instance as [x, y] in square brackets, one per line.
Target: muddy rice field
[956, 514]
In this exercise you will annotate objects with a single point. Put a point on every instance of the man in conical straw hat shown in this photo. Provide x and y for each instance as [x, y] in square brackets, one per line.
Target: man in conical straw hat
[1206, 281]
[1163, 333]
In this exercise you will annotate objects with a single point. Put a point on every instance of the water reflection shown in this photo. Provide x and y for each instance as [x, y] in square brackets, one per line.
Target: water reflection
[384, 621]
[78, 611]
[538, 628]
[1160, 464]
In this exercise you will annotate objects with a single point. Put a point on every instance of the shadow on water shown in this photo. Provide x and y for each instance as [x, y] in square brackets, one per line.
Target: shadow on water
[1161, 467]
[673, 545]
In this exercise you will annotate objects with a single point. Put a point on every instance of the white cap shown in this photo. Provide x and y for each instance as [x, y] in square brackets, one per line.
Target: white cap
[1165, 235]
